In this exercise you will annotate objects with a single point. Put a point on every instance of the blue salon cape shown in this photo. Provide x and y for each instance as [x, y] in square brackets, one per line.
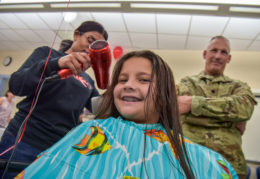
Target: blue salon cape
[114, 148]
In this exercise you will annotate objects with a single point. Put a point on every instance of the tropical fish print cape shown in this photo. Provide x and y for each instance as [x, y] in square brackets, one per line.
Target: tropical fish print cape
[114, 148]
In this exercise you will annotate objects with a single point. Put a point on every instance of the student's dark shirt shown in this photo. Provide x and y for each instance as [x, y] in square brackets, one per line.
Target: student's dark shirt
[60, 102]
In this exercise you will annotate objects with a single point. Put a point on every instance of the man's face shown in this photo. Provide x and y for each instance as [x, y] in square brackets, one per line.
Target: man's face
[216, 56]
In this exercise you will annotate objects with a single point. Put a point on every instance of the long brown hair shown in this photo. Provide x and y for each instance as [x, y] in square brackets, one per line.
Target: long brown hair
[164, 93]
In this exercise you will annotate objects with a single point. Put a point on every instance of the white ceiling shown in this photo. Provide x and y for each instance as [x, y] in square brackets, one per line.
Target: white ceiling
[28, 30]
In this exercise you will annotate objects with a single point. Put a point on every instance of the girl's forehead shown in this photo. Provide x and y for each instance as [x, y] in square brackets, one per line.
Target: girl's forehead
[137, 64]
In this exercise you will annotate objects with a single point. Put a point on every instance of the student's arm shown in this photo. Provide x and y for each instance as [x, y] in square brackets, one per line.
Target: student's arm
[24, 81]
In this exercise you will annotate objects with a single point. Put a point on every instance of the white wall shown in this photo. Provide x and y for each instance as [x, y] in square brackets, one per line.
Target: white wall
[251, 138]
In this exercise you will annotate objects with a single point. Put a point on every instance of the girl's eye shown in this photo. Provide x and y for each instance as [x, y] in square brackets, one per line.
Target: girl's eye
[145, 80]
[122, 80]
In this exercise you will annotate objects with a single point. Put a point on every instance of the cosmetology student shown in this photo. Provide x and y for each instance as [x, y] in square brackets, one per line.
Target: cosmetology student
[60, 102]
[131, 136]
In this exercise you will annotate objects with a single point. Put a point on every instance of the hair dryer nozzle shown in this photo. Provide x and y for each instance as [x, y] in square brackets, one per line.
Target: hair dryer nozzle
[100, 55]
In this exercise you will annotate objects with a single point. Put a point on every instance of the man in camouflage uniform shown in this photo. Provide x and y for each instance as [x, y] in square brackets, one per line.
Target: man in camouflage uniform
[215, 108]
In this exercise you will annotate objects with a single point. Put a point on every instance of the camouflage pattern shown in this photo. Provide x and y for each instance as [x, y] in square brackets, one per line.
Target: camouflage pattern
[218, 104]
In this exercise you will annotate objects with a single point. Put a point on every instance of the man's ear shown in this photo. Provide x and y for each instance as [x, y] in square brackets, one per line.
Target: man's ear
[204, 54]
[76, 35]
[229, 59]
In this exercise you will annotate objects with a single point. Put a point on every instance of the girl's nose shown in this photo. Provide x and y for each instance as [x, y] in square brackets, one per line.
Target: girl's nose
[130, 85]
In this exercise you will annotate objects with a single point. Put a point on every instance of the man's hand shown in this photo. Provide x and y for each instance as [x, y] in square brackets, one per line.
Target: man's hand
[241, 126]
[184, 103]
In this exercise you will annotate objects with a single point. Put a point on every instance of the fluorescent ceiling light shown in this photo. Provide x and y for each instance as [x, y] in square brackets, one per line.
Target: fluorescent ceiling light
[174, 6]
[20, 6]
[245, 9]
[69, 16]
[30, 1]
[79, 5]
[51, 1]
[240, 2]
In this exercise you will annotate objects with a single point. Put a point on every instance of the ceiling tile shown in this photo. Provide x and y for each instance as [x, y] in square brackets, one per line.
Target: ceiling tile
[143, 40]
[171, 29]
[207, 25]
[25, 45]
[29, 33]
[111, 21]
[47, 35]
[242, 28]
[173, 24]
[119, 39]
[39, 44]
[171, 41]
[237, 44]
[11, 45]
[3, 25]
[258, 37]
[2, 37]
[2, 46]
[32, 20]
[255, 46]
[138, 22]
[55, 20]
[81, 17]
[197, 43]
[12, 21]
[66, 34]
[11, 35]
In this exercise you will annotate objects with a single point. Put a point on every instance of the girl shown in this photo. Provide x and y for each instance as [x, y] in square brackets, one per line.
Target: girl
[136, 133]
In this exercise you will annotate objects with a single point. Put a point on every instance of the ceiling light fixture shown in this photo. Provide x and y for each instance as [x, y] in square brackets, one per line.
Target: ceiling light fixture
[20, 6]
[86, 5]
[29, 1]
[245, 9]
[240, 2]
[236, 2]
[174, 6]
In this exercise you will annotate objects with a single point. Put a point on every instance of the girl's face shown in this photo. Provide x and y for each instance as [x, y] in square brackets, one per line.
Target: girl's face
[131, 91]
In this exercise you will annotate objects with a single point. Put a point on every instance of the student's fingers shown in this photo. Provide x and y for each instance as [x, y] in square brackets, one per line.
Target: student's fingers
[70, 62]
[77, 65]
[76, 62]
[84, 59]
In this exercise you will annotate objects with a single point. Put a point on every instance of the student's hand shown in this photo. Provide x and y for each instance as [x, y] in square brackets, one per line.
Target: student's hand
[184, 103]
[241, 126]
[77, 62]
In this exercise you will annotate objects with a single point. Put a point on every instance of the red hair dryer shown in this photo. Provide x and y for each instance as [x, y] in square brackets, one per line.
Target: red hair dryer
[100, 56]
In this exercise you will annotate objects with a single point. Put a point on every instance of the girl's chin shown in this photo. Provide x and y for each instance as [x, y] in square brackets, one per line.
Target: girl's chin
[131, 118]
